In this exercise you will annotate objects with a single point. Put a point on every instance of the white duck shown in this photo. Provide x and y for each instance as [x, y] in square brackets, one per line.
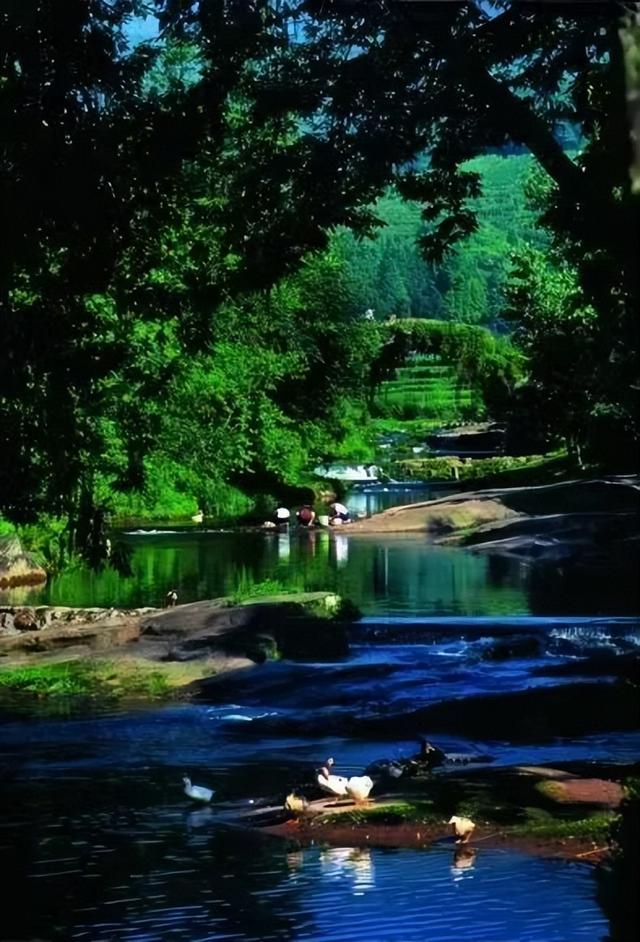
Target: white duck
[333, 784]
[358, 788]
[197, 792]
[198, 517]
[463, 828]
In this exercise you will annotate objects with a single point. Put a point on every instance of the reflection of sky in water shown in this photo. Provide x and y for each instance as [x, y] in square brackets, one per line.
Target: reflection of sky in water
[284, 546]
[341, 549]
[365, 500]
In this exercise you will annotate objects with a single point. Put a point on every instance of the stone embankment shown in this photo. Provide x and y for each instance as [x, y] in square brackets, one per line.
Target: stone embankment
[231, 635]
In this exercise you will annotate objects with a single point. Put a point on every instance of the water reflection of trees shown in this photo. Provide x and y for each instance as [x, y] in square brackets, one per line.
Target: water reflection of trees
[571, 589]
[403, 572]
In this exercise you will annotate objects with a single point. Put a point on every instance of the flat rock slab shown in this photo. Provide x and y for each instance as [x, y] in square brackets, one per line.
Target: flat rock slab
[96, 636]
[218, 616]
[234, 635]
[472, 509]
[591, 791]
[437, 516]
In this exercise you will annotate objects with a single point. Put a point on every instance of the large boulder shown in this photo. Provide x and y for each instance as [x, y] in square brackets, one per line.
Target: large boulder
[16, 566]
[301, 625]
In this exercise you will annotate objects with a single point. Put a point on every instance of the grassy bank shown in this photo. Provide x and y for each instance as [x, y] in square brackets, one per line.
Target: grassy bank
[98, 680]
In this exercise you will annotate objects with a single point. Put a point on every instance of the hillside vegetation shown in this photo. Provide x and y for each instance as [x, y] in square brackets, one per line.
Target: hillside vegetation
[388, 273]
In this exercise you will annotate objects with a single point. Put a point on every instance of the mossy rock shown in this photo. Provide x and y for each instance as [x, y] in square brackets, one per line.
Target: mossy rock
[389, 813]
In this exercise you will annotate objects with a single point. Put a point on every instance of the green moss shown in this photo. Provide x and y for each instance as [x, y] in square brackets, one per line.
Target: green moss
[51, 680]
[6, 527]
[247, 589]
[397, 812]
[595, 826]
[550, 789]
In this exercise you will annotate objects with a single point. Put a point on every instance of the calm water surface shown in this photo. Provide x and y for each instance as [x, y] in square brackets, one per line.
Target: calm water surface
[95, 825]
[394, 574]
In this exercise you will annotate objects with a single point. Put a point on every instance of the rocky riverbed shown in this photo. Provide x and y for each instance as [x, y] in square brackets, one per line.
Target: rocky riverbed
[542, 810]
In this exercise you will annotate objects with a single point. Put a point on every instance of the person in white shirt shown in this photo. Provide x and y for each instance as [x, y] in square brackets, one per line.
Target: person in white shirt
[282, 515]
[338, 513]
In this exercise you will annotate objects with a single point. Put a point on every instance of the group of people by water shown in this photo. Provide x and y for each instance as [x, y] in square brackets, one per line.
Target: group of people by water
[306, 516]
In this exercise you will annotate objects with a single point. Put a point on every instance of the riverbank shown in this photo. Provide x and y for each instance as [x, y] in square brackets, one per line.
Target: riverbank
[53, 651]
[543, 811]
[586, 520]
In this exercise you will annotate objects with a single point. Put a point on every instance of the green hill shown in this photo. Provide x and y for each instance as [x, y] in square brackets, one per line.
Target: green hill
[388, 274]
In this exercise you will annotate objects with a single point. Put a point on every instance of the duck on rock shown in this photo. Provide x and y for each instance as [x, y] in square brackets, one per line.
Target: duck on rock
[335, 785]
[463, 828]
[357, 787]
[296, 804]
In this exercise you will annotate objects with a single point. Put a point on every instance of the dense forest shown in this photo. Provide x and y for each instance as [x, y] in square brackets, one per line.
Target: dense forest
[390, 275]
[197, 220]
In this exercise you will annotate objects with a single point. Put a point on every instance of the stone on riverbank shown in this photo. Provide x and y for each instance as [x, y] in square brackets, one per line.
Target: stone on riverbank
[287, 626]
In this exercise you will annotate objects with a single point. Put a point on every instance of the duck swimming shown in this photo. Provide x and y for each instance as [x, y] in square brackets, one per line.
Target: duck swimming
[197, 792]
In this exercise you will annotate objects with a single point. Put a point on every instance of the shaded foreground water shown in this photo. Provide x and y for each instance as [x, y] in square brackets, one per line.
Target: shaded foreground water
[166, 872]
[96, 829]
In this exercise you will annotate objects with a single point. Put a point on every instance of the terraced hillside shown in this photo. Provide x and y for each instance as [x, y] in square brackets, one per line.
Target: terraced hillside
[426, 387]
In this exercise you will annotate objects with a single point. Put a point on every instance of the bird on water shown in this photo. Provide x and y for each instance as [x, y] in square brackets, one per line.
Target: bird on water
[196, 792]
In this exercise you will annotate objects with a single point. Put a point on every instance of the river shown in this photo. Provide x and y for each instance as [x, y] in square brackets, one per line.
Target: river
[96, 827]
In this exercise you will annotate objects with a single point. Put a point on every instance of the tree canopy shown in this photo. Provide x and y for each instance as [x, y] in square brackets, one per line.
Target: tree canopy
[164, 196]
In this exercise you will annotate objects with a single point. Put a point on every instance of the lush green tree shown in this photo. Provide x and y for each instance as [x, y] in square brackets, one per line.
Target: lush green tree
[150, 187]
[462, 78]
[557, 330]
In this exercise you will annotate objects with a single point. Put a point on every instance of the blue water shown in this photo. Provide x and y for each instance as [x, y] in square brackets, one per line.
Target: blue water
[96, 828]
[234, 887]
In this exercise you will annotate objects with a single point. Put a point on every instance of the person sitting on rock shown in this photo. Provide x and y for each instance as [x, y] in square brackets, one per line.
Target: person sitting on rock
[306, 515]
[338, 514]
